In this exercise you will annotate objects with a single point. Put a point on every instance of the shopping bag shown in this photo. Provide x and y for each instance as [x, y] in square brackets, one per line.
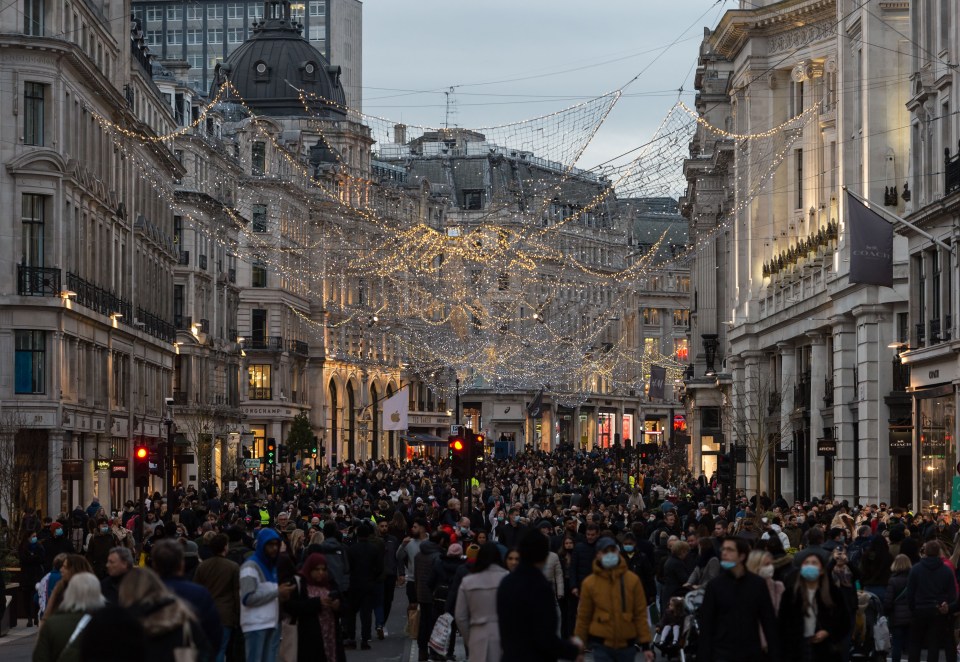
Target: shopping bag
[881, 635]
[440, 637]
[413, 621]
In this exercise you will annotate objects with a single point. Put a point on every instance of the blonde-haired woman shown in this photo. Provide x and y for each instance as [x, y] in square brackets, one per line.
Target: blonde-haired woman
[168, 622]
[59, 638]
[296, 538]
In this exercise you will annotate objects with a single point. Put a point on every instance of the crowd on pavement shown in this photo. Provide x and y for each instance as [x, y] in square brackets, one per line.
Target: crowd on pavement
[548, 556]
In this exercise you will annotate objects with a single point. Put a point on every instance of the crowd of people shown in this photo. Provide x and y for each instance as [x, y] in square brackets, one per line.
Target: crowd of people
[549, 556]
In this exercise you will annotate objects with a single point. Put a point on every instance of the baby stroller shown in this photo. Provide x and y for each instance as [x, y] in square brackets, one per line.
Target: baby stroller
[682, 643]
[870, 641]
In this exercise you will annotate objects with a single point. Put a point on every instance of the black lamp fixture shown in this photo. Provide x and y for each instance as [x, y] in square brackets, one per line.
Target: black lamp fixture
[710, 344]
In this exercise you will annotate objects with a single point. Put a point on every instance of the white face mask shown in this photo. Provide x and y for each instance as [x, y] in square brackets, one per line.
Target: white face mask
[766, 571]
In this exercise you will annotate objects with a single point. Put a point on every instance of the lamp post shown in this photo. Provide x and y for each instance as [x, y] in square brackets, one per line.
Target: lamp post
[710, 344]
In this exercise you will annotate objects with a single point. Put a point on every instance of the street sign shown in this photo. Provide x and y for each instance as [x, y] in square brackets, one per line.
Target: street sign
[252, 463]
[456, 430]
[232, 486]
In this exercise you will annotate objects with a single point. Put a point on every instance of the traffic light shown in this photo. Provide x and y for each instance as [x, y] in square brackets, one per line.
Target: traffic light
[284, 458]
[271, 451]
[313, 448]
[725, 468]
[477, 442]
[459, 455]
[141, 466]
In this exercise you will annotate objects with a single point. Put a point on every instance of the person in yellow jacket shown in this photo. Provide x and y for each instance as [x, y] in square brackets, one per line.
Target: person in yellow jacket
[612, 616]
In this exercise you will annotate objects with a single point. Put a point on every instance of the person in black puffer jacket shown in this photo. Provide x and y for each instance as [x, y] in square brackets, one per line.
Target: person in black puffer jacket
[426, 581]
[931, 591]
[896, 607]
[366, 570]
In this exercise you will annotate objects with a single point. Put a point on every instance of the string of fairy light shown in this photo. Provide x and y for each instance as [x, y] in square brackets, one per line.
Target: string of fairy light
[442, 299]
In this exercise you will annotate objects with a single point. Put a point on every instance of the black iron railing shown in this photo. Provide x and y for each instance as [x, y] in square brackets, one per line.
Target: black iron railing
[156, 327]
[298, 347]
[268, 343]
[38, 281]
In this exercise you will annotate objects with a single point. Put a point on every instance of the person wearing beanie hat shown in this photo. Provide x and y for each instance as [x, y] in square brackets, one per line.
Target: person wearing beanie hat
[446, 571]
[471, 553]
[456, 549]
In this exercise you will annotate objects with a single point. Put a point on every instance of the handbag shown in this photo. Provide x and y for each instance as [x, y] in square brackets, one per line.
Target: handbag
[440, 637]
[84, 620]
[188, 651]
[413, 621]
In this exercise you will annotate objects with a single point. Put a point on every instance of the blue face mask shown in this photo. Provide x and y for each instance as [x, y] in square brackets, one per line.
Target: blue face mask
[58, 533]
[810, 573]
[728, 565]
[628, 548]
[610, 560]
[33, 540]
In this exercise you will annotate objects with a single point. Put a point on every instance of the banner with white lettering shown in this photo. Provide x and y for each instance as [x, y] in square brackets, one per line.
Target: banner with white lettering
[658, 378]
[871, 245]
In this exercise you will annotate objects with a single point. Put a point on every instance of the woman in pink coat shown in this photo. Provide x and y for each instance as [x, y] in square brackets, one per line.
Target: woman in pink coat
[476, 611]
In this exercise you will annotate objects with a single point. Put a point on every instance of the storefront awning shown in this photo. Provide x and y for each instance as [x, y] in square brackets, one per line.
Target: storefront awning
[423, 439]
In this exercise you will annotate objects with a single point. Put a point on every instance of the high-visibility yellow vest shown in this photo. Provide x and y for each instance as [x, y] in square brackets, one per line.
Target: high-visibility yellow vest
[264, 517]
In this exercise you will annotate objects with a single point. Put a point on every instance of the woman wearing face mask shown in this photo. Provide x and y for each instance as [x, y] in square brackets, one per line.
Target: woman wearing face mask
[813, 619]
[31, 571]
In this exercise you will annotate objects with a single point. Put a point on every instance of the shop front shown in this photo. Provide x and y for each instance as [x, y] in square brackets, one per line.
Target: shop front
[936, 451]
[507, 422]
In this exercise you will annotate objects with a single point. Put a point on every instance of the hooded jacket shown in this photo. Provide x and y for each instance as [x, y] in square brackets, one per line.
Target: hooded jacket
[930, 582]
[613, 607]
[259, 590]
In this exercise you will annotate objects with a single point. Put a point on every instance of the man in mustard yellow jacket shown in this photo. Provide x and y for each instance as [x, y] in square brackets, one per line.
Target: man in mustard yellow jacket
[612, 616]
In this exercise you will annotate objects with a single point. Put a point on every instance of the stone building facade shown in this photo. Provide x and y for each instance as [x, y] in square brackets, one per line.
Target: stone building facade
[89, 258]
[802, 374]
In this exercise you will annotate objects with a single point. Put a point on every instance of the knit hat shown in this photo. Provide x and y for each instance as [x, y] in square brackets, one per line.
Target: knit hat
[456, 549]
[472, 551]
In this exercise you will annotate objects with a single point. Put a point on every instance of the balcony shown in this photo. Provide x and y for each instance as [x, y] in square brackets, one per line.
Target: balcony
[185, 258]
[828, 392]
[180, 398]
[205, 326]
[264, 343]
[951, 172]
[921, 334]
[155, 326]
[298, 347]
[934, 331]
[38, 281]
[257, 393]
[99, 299]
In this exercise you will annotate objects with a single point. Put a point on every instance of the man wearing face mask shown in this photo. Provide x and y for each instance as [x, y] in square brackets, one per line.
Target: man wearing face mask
[57, 543]
[510, 531]
[99, 548]
[736, 604]
[612, 615]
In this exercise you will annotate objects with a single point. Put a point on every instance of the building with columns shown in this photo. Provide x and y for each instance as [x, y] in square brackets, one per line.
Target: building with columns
[89, 258]
[929, 342]
[792, 369]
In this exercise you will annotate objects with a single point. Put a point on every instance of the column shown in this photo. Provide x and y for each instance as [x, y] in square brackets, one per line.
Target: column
[103, 487]
[747, 412]
[818, 377]
[89, 450]
[876, 380]
[55, 473]
[844, 393]
[8, 469]
[576, 428]
[784, 428]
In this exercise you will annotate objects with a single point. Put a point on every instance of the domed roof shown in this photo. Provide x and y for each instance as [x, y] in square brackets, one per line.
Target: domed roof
[270, 67]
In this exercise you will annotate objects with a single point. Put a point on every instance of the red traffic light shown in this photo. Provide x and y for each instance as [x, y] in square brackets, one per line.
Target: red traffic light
[480, 438]
[141, 452]
[456, 445]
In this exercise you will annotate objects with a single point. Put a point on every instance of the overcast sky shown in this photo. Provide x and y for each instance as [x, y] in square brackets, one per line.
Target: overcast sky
[563, 50]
